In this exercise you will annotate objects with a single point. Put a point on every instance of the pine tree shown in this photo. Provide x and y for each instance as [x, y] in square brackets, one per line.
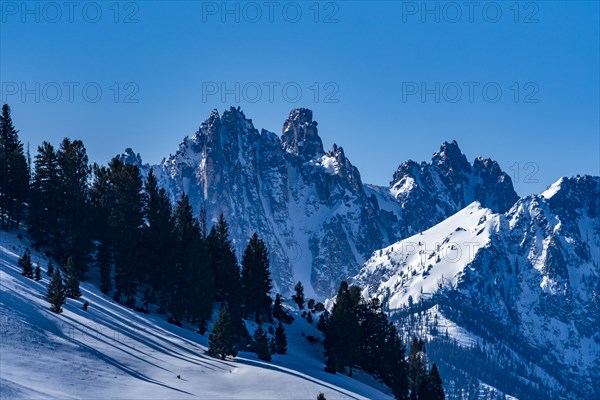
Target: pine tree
[277, 309]
[71, 279]
[256, 280]
[417, 367]
[159, 239]
[50, 269]
[100, 201]
[125, 225]
[103, 260]
[260, 343]
[73, 229]
[393, 368]
[56, 292]
[222, 340]
[431, 387]
[224, 262]
[37, 275]
[44, 210]
[299, 296]
[280, 339]
[26, 264]
[323, 321]
[321, 396]
[342, 338]
[193, 285]
[14, 174]
[309, 317]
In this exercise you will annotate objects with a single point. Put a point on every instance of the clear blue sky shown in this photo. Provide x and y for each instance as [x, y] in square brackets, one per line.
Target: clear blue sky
[374, 59]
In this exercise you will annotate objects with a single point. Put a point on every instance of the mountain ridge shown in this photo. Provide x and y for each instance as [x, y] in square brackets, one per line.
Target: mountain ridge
[532, 285]
[319, 219]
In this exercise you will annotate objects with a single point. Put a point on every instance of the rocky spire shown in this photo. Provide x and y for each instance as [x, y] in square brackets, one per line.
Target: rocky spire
[300, 135]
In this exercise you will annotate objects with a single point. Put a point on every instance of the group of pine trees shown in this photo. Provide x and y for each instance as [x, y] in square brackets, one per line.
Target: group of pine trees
[424, 383]
[358, 334]
[59, 288]
[146, 251]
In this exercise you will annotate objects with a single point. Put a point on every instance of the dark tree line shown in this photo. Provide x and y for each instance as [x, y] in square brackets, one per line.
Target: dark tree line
[358, 334]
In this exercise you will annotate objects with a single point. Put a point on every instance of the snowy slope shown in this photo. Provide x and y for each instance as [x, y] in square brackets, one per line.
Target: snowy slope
[419, 265]
[517, 294]
[110, 351]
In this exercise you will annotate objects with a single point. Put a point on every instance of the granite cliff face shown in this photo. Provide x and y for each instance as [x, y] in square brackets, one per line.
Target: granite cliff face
[309, 205]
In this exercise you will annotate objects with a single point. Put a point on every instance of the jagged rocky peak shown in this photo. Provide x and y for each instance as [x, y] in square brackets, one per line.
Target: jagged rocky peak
[451, 158]
[233, 122]
[300, 134]
[431, 192]
[575, 195]
[130, 157]
[345, 168]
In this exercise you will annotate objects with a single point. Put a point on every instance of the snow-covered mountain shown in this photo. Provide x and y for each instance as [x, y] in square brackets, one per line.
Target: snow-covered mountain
[430, 192]
[318, 219]
[517, 294]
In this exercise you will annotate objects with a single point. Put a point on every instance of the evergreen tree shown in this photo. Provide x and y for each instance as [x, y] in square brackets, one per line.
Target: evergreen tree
[280, 339]
[359, 333]
[321, 396]
[14, 174]
[323, 321]
[393, 369]
[72, 279]
[125, 225]
[228, 285]
[260, 343]
[56, 292]
[26, 265]
[44, 210]
[101, 199]
[222, 340]
[73, 208]
[193, 286]
[159, 239]
[103, 260]
[277, 309]
[37, 275]
[431, 388]
[256, 280]
[299, 296]
[342, 337]
[50, 269]
[417, 367]
[224, 262]
[309, 317]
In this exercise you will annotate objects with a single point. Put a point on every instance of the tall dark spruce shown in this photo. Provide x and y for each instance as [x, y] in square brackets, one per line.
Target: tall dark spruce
[125, 220]
[256, 281]
[14, 173]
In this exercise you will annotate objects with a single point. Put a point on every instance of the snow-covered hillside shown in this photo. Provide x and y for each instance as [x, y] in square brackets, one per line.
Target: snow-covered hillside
[110, 351]
[514, 295]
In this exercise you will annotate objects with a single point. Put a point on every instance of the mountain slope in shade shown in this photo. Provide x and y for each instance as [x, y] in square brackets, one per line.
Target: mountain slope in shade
[523, 286]
[112, 352]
